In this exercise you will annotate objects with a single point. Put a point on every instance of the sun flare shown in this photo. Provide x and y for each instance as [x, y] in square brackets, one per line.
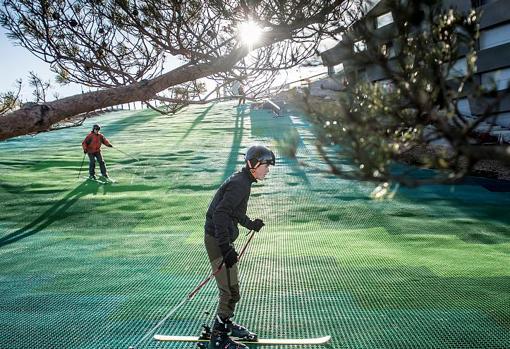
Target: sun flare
[249, 33]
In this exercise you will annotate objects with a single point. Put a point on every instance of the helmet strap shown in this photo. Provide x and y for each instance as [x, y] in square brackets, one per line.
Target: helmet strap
[253, 167]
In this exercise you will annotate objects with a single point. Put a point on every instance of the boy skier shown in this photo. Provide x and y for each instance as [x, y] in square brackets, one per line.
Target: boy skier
[226, 211]
[92, 147]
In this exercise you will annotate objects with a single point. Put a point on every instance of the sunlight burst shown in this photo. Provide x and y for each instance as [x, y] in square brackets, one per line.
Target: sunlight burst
[249, 33]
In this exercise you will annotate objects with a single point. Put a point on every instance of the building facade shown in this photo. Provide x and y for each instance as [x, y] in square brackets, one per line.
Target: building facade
[493, 57]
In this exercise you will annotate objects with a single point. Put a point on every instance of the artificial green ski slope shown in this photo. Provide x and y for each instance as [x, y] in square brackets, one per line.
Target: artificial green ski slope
[85, 265]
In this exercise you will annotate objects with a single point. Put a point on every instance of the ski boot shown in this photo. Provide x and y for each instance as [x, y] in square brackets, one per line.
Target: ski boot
[93, 177]
[219, 336]
[221, 340]
[240, 332]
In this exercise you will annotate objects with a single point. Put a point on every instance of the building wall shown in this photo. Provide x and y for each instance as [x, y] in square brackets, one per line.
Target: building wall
[493, 63]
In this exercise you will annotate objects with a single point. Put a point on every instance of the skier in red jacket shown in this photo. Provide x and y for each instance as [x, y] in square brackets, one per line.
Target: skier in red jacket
[92, 147]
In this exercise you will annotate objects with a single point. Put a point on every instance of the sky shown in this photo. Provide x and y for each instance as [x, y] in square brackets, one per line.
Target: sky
[17, 62]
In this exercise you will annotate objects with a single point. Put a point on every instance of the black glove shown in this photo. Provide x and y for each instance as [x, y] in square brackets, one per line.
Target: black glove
[84, 152]
[230, 256]
[109, 146]
[256, 225]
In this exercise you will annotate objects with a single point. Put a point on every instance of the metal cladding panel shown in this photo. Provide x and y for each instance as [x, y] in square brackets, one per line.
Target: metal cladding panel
[459, 5]
[375, 72]
[494, 13]
[493, 58]
[337, 54]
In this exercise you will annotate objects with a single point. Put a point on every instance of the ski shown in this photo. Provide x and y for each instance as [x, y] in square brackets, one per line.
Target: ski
[102, 180]
[96, 180]
[261, 341]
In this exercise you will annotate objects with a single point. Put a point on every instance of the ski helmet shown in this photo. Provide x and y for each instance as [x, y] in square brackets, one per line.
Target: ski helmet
[96, 127]
[257, 155]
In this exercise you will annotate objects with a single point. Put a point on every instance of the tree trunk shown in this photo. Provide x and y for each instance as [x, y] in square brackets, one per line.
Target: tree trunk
[39, 117]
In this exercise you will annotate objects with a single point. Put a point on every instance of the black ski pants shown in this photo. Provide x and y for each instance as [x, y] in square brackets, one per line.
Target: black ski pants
[92, 163]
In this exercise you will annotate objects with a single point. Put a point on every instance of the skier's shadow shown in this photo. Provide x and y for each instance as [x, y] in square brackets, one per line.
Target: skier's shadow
[54, 213]
[196, 122]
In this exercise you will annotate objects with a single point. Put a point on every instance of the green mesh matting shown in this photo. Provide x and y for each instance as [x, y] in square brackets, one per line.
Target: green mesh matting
[84, 265]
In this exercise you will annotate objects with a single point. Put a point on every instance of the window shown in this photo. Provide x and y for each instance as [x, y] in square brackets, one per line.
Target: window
[498, 79]
[339, 68]
[459, 69]
[502, 119]
[360, 46]
[494, 37]
[384, 19]
[388, 50]
[464, 107]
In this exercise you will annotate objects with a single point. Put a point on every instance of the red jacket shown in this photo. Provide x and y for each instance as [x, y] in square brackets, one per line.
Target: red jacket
[92, 143]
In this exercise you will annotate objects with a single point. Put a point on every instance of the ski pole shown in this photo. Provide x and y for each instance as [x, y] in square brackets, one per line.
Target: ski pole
[81, 166]
[192, 293]
[131, 156]
[206, 280]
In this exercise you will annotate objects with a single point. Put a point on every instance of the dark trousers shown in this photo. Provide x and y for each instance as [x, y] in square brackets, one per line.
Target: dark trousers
[92, 163]
[227, 280]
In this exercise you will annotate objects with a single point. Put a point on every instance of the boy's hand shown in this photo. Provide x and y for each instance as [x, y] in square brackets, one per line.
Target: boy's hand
[230, 256]
[257, 224]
